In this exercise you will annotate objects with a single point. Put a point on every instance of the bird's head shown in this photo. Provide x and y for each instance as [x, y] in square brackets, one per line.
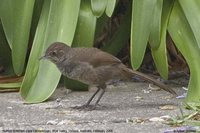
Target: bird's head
[56, 52]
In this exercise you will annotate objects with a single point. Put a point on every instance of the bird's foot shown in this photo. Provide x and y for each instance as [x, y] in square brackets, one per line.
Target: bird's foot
[85, 107]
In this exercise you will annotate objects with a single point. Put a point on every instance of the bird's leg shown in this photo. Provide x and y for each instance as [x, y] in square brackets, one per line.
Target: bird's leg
[89, 101]
[99, 98]
[92, 107]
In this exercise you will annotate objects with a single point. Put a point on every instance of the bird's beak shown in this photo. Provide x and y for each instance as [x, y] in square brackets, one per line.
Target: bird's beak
[43, 57]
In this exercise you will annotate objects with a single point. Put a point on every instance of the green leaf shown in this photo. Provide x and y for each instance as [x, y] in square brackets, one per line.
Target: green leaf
[185, 41]
[16, 21]
[142, 14]
[154, 38]
[191, 8]
[36, 52]
[75, 85]
[8, 22]
[57, 23]
[160, 54]
[110, 7]
[85, 31]
[98, 7]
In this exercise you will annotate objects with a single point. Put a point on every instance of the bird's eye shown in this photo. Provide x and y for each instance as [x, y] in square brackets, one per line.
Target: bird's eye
[53, 53]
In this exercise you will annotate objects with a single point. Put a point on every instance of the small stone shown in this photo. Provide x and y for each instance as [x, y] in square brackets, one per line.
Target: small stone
[138, 98]
[58, 100]
[146, 91]
[9, 107]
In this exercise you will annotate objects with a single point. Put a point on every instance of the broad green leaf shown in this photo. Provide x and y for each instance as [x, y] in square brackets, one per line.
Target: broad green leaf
[191, 8]
[75, 85]
[160, 54]
[110, 7]
[57, 23]
[185, 41]
[142, 14]
[36, 52]
[6, 12]
[85, 31]
[154, 38]
[98, 7]
[121, 36]
[16, 21]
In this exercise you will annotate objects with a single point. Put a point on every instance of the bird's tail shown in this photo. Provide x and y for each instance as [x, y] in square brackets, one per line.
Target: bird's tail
[131, 73]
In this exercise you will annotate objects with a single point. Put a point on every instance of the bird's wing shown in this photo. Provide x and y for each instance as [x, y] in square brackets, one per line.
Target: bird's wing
[95, 57]
[101, 58]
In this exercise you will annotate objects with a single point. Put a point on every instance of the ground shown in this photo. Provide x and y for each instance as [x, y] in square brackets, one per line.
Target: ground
[125, 108]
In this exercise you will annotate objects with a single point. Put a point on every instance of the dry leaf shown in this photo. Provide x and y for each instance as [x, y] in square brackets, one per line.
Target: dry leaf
[160, 119]
[135, 120]
[167, 97]
[168, 107]
[153, 87]
[156, 119]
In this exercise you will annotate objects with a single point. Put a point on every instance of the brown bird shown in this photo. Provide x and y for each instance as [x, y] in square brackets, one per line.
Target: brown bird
[93, 67]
